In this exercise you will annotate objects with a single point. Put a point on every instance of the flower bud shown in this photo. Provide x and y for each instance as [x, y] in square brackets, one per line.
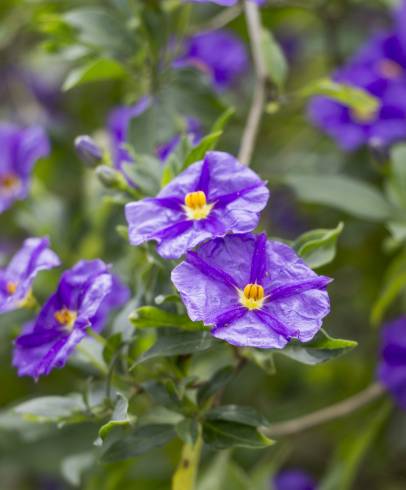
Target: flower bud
[110, 177]
[88, 150]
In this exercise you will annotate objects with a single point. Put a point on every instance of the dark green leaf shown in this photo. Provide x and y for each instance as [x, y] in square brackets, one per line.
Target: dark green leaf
[153, 317]
[236, 413]
[219, 379]
[142, 440]
[321, 349]
[178, 343]
[112, 347]
[263, 358]
[221, 434]
[344, 193]
[318, 247]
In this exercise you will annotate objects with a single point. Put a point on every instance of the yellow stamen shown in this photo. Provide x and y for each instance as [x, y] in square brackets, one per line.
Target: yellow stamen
[196, 206]
[9, 182]
[11, 287]
[390, 69]
[66, 317]
[363, 115]
[252, 297]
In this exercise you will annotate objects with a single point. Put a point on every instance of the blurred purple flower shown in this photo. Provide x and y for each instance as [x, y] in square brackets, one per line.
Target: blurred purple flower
[20, 149]
[211, 198]
[17, 278]
[88, 150]
[392, 365]
[253, 292]
[84, 297]
[194, 133]
[219, 54]
[225, 3]
[379, 68]
[293, 480]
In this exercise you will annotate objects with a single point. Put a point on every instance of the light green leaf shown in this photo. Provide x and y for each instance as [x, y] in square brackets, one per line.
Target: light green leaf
[356, 198]
[353, 97]
[236, 413]
[95, 71]
[68, 408]
[396, 184]
[74, 466]
[153, 317]
[120, 417]
[321, 349]
[177, 343]
[318, 247]
[199, 151]
[142, 440]
[274, 58]
[222, 121]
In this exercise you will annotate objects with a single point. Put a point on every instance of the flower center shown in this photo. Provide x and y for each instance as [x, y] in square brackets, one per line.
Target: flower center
[196, 206]
[390, 69]
[252, 297]
[66, 317]
[9, 182]
[11, 287]
[363, 115]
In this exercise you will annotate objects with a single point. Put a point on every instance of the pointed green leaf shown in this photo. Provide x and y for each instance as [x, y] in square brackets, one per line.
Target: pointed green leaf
[101, 69]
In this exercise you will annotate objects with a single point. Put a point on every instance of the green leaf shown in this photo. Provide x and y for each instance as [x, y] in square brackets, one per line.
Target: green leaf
[120, 417]
[221, 434]
[394, 283]
[95, 71]
[357, 198]
[74, 466]
[236, 413]
[223, 474]
[222, 121]
[142, 440]
[206, 144]
[70, 408]
[219, 379]
[153, 317]
[353, 97]
[177, 343]
[396, 185]
[321, 349]
[318, 247]
[188, 430]
[352, 450]
[145, 171]
[112, 347]
[274, 58]
[263, 358]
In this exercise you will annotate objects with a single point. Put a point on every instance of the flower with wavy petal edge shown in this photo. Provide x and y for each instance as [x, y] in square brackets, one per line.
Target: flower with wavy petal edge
[252, 291]
[17, 278]
[211, 198]
[84, 297]
[392, 365]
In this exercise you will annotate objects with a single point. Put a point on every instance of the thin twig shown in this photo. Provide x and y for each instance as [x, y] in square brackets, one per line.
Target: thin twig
[333, 412]
[254, 117]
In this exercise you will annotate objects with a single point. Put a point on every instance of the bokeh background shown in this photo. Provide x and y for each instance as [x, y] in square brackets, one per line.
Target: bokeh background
[41, 44]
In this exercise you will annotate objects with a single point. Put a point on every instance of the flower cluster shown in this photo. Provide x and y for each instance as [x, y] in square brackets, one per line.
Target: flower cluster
[250, 291]
[20, 149]
[84, 298]
[380, 69]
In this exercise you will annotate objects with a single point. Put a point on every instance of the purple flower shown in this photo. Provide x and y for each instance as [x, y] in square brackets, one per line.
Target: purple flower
[252, 291]
[194, 133]
[83, 299]
[293, 480]
[88, 150]
[392, 366]
[219, 54]
[17, 278]
[20, 149]
[380, 69]
[211, 198]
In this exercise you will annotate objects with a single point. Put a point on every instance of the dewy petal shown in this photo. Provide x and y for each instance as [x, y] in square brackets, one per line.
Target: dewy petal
[239, 191]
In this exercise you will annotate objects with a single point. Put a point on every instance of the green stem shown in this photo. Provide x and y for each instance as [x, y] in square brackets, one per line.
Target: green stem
[185, 475]
[92, 359]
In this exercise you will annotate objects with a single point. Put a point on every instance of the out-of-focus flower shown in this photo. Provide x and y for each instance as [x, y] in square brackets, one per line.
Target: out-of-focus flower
[219, 54]
[392, 366]
[293, 480]
[194, 133]
[17, 278]
[211, 198]
[88, 150]
[20, 149]
[83, 299]
[380, 69]
[253, 292]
